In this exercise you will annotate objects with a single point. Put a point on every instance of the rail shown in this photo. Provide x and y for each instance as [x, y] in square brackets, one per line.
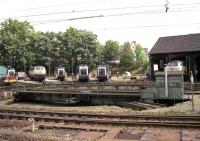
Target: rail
[110, 119]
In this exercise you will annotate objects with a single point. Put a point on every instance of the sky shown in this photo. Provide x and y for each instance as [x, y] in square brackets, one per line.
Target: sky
[143, 21]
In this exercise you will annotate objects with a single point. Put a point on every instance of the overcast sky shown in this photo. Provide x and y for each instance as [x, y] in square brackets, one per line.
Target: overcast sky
[143, 21]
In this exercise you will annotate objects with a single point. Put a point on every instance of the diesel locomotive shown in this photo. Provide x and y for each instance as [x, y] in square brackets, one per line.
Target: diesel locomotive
[102, 72]
[37, 73]
[7, 75]
[83, 72]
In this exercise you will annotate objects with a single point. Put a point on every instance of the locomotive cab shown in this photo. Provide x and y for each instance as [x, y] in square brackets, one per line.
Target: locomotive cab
[83, 73]
[11, 72]
[60, 73]
[175, 66]
[10, 77]
[102, 73]
[37, 73]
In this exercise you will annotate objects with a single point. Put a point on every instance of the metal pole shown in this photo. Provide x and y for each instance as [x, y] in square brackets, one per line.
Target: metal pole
[186, 66]
[181, 135]
[32, 120]
[33, 125]
[189, 66]
[166, 83]
[192, 81]
[192, 97]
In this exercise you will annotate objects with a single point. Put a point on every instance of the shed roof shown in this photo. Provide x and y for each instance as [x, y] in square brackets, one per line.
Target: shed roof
[177, 44]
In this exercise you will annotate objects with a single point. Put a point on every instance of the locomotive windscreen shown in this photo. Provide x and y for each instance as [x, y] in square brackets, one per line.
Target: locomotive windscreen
[60, 72]
[102, 71]
[173, 64]
[83, 71]
[11, 73]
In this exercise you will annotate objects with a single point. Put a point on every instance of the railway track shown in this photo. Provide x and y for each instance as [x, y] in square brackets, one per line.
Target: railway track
[142, 105]
[108, 119]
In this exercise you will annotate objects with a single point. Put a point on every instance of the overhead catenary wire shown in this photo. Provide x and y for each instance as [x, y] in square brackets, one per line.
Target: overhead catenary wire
[176, 8]
[108, 15]
[82, 3]
[106, 9]
[84, 10]
[66, 4]
[90, 17]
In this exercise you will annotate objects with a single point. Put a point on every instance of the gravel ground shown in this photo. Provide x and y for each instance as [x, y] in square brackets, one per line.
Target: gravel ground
[180, 108]
[14, 123]
[14, 135]
[112, 134]
[47, 107]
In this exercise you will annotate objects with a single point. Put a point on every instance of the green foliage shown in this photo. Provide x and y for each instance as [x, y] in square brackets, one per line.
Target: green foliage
[46, 49]
[16, 43]
[110, 51]
[80, 47]
[141, 58]
[127, 62]
[22, 47]
[99, 53]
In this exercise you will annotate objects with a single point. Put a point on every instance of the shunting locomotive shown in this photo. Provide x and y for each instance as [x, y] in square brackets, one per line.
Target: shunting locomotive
[60, 73]
[102, 72]
[7, 75]
[83, 72]
[37, 73]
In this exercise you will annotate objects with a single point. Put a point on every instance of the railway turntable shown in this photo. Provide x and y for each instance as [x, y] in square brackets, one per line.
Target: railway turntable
[95, 94]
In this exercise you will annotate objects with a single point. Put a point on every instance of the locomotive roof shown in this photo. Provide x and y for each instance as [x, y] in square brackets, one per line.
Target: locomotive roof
[60, 67]
[38, 66]
[102, 65]
[174, 61]
[83, 65]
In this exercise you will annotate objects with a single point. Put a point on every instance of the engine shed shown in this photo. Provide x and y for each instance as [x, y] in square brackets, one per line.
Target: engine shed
[185, 48]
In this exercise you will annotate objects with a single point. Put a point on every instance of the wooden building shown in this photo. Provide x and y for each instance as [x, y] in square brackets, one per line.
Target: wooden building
[185, 48]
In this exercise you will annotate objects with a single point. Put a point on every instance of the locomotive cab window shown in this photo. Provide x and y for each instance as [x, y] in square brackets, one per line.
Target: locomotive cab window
[37, 68]
[11, 73]
[102, 71]
[173, 64]
[60, 72]
[83, 71]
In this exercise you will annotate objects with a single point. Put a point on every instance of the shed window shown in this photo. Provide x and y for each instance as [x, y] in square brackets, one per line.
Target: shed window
[161, 64]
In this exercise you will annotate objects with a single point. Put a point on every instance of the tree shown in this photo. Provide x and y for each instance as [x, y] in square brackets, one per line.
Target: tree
[110, 51]
[99, 53]
[141, 58]
[47, 49]
[16, 37]
[80, 48]
[21, 47]
[127, 62]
